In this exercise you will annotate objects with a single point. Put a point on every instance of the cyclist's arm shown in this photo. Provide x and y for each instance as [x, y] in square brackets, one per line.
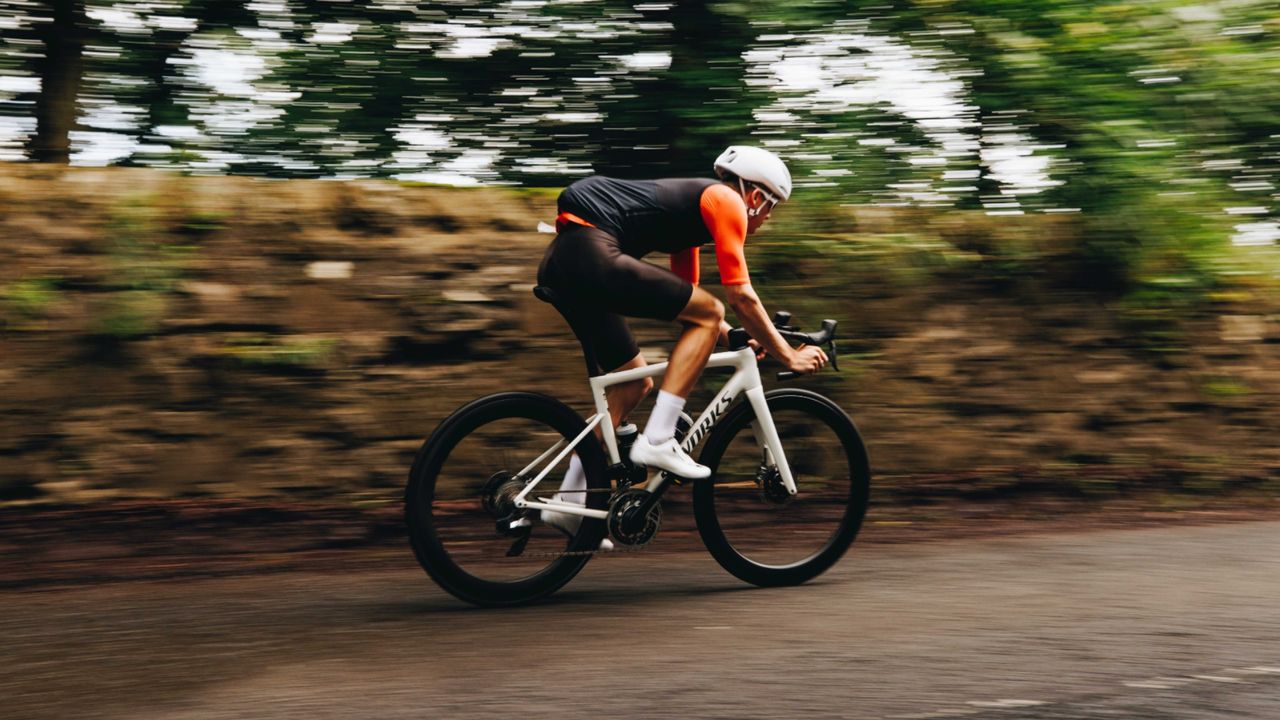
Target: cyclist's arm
[751, 313]
[685, 264]
[725, 215]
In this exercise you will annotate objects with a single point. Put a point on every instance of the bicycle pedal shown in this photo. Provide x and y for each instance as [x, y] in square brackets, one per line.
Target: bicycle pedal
[517, 547]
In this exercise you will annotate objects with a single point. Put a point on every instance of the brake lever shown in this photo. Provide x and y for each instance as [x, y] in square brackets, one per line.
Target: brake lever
[832, 354]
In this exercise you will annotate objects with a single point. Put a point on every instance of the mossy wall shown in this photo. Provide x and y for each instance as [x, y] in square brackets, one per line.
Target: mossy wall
[209, 336]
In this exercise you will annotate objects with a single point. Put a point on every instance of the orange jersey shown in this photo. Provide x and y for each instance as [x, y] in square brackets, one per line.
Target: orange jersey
[725, 214]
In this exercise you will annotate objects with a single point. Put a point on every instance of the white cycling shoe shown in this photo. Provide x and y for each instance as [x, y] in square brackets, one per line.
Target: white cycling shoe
[667, 456]
[564, 522]
[568, 524]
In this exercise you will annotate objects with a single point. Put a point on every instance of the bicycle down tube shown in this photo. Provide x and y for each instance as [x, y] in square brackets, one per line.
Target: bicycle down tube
[746, 377]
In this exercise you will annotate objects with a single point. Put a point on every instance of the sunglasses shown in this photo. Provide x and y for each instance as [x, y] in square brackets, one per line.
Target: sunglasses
[773, 201]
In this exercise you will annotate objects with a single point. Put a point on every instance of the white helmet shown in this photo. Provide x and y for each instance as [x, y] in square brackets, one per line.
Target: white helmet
[758, 166]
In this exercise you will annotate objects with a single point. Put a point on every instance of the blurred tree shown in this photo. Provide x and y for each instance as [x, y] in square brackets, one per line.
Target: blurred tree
[350, 82]
[1146, 118]
[678, 121]
[150, 58]
[1133, 105]
[60, 70]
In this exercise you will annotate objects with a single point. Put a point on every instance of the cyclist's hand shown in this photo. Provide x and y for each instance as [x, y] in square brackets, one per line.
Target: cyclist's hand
[807, 359]
[760, 351]
[724, 333]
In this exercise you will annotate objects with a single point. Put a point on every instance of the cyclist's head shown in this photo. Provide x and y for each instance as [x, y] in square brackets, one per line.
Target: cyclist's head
[759, 167]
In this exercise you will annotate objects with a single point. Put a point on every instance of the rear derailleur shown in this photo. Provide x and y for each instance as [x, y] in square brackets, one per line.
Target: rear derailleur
[499, 499]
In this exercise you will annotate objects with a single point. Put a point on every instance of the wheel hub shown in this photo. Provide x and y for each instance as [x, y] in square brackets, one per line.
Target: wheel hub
[499, 494]
[772, 489]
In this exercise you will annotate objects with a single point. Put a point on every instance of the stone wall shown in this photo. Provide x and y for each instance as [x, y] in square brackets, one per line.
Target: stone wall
[189, 336]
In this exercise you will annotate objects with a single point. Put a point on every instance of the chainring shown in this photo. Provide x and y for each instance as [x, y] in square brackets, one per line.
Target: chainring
[623, 511]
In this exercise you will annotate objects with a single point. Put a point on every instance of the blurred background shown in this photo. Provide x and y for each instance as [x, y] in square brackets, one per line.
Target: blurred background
[246, 247]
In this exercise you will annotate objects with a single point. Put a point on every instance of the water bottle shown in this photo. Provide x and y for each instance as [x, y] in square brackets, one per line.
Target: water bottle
[627, 434]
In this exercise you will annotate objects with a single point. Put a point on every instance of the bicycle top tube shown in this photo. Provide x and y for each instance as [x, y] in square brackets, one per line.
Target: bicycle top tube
[725, 358]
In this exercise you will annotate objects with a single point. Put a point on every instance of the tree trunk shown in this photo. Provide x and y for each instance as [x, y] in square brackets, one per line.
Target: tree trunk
[682, 120]
[60, 76]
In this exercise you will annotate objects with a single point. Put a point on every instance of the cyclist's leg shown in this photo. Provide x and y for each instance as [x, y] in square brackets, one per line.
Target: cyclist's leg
[606, 341]
[701, 317]
[625, 397]
[591, 265]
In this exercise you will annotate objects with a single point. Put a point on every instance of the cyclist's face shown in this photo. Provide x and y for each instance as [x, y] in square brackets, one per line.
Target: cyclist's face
[756, 199]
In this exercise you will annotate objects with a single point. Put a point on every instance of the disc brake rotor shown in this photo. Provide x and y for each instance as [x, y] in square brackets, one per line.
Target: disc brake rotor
[772, 489]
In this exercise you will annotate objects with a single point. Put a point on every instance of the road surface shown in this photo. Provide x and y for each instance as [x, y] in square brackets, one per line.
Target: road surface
[1172, 622]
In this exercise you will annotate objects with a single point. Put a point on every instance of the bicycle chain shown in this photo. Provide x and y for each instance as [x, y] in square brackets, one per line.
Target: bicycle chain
[618, 548]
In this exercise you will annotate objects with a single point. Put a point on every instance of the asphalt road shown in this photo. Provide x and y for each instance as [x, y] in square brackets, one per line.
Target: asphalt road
[1173, 622]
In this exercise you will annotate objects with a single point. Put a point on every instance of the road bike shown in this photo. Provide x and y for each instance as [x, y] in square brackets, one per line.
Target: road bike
[768, 516]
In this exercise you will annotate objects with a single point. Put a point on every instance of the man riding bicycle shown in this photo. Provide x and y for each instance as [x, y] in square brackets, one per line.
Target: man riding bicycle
[594, 267]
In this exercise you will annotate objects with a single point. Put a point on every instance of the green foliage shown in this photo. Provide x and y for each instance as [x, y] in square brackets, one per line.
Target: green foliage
[1145, 119]
[276, 351]
[140, 255]
[27, 301]
[145, 270]
[200, 222]
[129, 314]
[1225, 387]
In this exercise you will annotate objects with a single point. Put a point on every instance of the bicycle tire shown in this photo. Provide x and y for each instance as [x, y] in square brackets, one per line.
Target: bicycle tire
[849, 506]
[426, 513]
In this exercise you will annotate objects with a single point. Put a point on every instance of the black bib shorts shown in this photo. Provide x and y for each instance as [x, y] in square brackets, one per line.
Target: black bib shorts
[597, 284]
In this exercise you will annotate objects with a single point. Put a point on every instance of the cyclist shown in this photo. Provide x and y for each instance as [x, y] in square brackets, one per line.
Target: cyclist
[604, 227]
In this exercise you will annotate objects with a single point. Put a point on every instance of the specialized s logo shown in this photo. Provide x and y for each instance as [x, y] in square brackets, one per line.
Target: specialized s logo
[707, 423]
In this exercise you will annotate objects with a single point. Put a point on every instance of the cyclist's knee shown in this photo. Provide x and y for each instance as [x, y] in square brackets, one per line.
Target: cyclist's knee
[714, 315]
[704, 309]
[642, 388]
[719, 312]
[637, 388]
[626, 397]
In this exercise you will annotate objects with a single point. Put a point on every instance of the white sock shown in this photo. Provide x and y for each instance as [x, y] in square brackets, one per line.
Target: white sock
[574, 479]
[662, 421]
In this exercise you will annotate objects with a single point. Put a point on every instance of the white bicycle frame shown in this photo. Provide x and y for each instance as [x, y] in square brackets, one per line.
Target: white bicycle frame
[745, 378]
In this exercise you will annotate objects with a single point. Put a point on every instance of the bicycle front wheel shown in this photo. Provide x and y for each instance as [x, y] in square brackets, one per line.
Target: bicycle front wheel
[461, 492]
[749, 522]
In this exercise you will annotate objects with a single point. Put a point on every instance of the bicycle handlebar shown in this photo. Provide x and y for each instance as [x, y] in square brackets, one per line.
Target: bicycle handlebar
[826, 335]
[822, 337]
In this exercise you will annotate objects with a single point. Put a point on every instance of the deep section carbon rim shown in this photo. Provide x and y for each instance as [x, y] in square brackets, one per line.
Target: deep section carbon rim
[752, 526]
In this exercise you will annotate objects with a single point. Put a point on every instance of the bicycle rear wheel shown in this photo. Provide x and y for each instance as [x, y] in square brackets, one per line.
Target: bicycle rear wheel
[748, 521]
[462, 485]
